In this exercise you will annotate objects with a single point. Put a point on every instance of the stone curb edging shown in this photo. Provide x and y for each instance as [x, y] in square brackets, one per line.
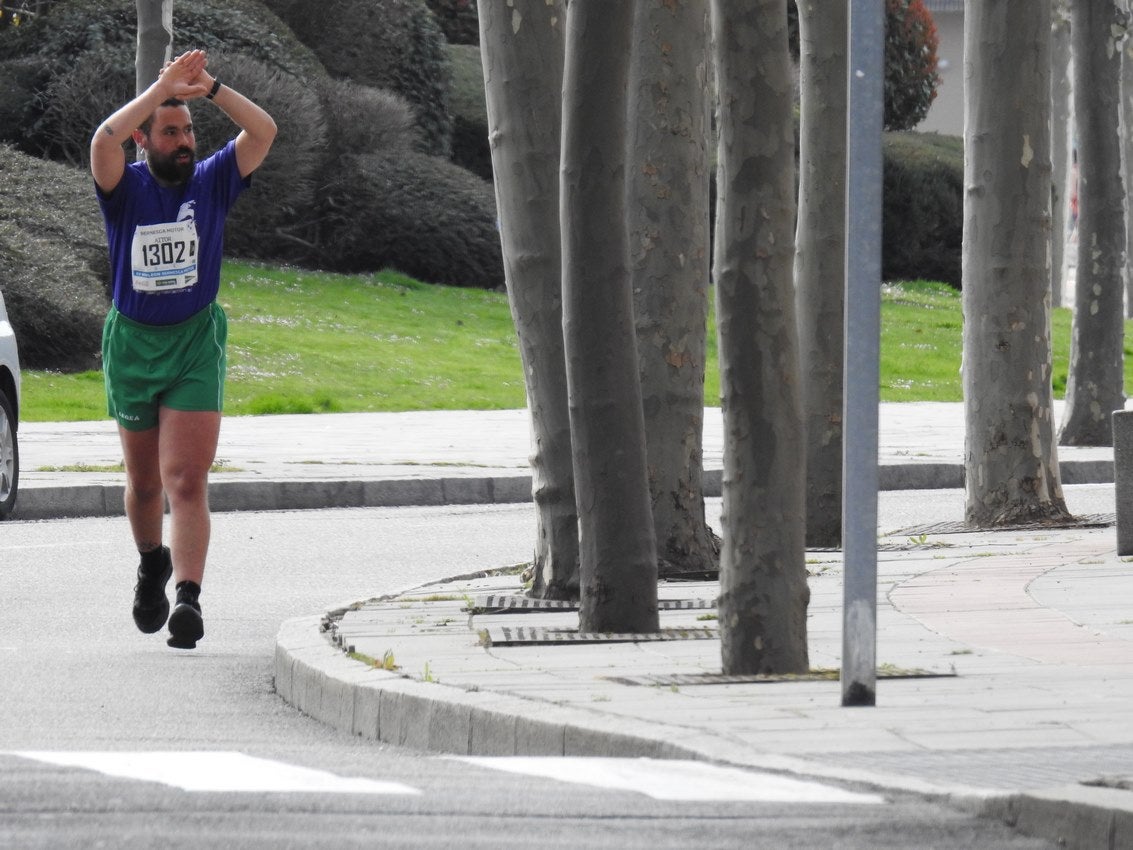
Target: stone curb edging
[96, 500]
[326, 684]
[1073, 816]
[321, 681]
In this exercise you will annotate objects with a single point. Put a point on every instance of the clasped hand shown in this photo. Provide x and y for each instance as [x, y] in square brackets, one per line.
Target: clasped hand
[185, 77]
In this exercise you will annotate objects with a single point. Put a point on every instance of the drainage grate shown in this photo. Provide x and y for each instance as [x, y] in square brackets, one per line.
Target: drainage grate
[503, 636]
[819, 675]
[513, 604]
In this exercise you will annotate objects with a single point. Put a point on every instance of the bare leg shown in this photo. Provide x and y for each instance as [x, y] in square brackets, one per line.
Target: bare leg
[145, 503]
[187, 447]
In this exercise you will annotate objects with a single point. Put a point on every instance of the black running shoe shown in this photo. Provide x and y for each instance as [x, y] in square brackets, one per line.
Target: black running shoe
[151, 607]
[186, 626]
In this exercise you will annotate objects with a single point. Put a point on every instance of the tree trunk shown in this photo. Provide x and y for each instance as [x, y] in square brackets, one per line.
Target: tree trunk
[617, 555]
[1011, 463]
[1061, 121]
[155, 41]
[521, 46]
[820, 257]
[669, 252]
[763, 590]
[1127, 160]
[1096, 385]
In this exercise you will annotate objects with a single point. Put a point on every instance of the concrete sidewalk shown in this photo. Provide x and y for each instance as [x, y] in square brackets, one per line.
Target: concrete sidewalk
[1006, 658]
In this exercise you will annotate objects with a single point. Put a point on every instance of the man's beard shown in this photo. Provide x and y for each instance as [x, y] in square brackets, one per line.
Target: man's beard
[168, 169]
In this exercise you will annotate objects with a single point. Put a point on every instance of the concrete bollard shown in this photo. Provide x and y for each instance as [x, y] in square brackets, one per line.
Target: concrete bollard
[1123, 478]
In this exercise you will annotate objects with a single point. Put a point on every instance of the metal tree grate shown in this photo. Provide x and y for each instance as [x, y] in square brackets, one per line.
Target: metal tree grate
[522, 636]
[502, 603]
[1084, 521]
[819, 675]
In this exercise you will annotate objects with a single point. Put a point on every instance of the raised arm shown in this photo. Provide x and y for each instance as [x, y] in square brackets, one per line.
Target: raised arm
[257, 128]
[180, 79]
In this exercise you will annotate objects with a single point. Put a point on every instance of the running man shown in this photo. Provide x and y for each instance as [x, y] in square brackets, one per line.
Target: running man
[163, 348]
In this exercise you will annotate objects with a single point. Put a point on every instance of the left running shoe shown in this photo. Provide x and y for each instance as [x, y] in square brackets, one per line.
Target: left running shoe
[186, 626]
[151, 607]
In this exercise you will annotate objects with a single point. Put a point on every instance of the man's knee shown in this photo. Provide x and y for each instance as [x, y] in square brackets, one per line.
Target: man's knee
[186, 484]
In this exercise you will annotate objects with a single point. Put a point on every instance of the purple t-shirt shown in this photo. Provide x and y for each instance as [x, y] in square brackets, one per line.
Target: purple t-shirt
[166, 243]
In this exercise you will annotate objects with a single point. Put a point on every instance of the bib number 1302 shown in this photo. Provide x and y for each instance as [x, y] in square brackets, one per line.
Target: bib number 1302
[165, 256]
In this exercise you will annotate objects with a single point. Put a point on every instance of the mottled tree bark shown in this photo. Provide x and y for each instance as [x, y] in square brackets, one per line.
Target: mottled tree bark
[1127, 160]
[669, 255]
[1061, 123]
[1011, 462]
[1095, 387]
[820, 258]
[763, 590]
[617, 555]
[521, 45]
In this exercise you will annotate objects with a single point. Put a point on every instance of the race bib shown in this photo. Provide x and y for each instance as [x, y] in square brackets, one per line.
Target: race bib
[165, 256]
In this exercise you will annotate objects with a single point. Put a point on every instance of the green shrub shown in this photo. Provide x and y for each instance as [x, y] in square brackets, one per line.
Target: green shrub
[64, 51]
[20, 79]
[361, 119]
[923, 209]
[53, 262]
[78, 98]
[388, 44]
[418, 214]
[911, 78]
[457, 19]
[270, 220]
[71, 28]
[469, 111]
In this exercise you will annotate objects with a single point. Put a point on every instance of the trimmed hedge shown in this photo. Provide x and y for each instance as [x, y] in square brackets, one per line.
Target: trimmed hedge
[53, 262]
[388, 44]
[78, 98]
[418, 214]
[469, 111]
[20, 79]
[269, 220]
[923, 208]
[235, 26]
[75, 65]
[361, 119]
[458, 20]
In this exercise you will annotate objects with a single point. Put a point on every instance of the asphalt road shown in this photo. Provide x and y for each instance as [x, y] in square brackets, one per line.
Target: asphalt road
[83, 695]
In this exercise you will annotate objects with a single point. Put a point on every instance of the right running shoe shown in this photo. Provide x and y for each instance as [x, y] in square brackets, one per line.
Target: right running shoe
[151, 607]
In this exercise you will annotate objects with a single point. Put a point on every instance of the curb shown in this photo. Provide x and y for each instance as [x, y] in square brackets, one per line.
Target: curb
[98, 500]
[321, 681]
[1072, 816]
[329, 686]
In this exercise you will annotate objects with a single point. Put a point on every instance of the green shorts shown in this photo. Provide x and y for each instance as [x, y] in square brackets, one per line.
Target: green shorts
[178, 366]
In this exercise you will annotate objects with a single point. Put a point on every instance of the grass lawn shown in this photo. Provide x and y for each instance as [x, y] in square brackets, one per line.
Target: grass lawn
[307, 342]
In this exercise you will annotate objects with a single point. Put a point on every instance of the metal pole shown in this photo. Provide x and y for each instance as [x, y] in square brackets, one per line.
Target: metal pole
[862, 351]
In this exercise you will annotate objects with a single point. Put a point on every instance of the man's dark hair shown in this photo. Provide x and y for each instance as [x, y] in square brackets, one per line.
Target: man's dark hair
[147, 125]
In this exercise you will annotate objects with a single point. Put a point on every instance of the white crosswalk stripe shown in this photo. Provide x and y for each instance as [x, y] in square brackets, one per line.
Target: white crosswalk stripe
[664, 779]
[216, 771]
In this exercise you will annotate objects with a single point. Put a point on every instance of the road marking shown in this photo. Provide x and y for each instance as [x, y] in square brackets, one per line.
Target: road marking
[216, 771]
[665, 779]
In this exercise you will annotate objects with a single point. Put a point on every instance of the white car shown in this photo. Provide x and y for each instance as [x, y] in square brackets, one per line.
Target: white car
[9, 414]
